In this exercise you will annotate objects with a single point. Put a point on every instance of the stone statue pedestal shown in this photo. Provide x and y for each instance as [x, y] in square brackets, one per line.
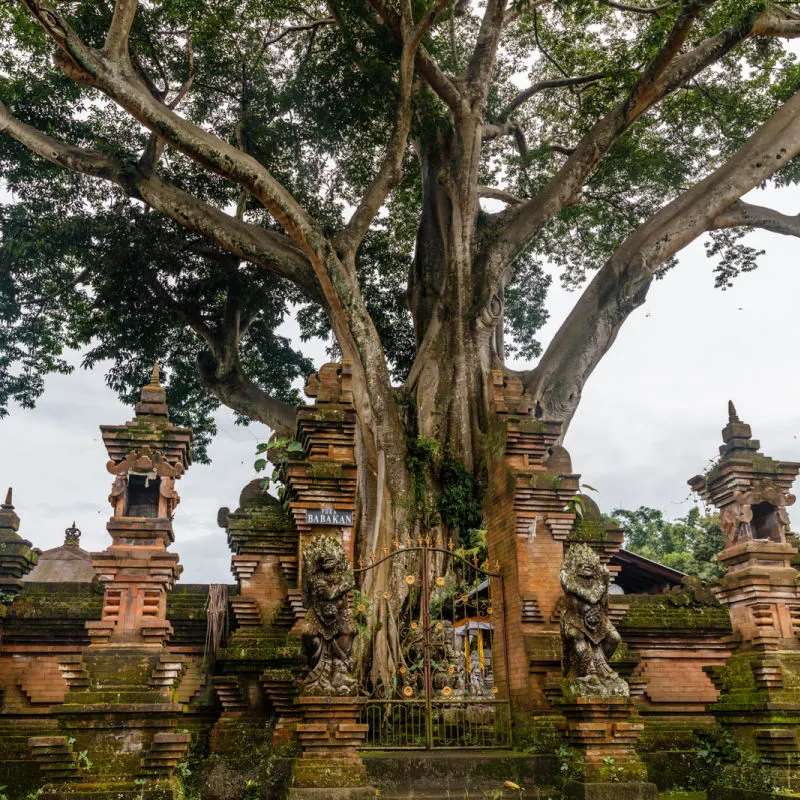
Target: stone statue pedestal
[329, 767]
[604, 731]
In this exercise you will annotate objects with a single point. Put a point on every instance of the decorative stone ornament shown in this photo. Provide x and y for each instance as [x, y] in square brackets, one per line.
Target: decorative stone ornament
[328, 629]
[588, 638]
[72, 536]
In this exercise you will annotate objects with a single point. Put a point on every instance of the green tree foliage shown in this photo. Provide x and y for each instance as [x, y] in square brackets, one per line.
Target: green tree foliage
[688, 544]
[589, 116]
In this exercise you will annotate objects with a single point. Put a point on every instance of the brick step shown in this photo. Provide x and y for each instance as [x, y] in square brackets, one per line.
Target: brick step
[192, 682]
[166, 750]
[466, 773]
[474, 793]
[74, 672]
[290, 566]
[168, 670]
[230, 694]
[54, 756]
[296, 602]
[247, 612]
[243, 566]
[281, 689]
[285, 619]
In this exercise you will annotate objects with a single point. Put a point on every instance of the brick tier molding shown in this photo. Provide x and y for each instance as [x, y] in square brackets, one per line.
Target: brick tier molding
[604, 732]
[329, 736]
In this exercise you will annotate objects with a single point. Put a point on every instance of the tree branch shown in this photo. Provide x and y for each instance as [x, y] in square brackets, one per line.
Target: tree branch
[481, 64]
[637, 9]
[228, 382]
[492, 131]
[494, 193]
[116, 46]
[317, 23]
[518, 225]
[268, 249]
[540, 86]
[390, 171]
[747, 215]
[445, 89]
[192, 140]
[621, 285]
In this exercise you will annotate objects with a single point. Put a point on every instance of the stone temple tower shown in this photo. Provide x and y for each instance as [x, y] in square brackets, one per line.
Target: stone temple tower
[758, 685]
[752, 493]
[147, 456]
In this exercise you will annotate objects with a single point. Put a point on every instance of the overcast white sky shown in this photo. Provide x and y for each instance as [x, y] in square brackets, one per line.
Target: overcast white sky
[650, 417]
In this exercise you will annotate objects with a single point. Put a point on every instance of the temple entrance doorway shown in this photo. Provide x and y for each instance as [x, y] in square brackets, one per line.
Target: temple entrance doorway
[443, 612]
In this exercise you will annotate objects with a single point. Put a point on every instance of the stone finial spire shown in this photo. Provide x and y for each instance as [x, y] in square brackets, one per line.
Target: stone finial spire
[8, 518]
[153, 399]
[737, 435]
[17, 556]
[72, 536]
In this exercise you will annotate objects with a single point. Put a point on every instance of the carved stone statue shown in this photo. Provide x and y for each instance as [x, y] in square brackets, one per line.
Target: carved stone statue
[587, 635]
[328, 629]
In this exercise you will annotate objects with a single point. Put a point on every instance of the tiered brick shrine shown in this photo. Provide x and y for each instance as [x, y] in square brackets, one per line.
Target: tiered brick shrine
[324, 476]
[530, 521]
[759, 683]
[147, 455]
[259, 668]
[119, 715]
[530, 483]
[17, 555]
[260, 664]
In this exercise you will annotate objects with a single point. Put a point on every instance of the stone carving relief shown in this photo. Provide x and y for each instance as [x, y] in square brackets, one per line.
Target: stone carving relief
[328, 629]
[588, 638]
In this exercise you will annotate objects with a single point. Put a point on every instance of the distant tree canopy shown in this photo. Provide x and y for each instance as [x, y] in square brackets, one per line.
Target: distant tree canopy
[688, 543]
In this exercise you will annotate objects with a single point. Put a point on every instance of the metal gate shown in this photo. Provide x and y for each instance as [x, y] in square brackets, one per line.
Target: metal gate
[439, 609]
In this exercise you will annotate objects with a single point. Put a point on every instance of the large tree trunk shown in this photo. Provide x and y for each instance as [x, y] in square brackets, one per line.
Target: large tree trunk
[445, 399]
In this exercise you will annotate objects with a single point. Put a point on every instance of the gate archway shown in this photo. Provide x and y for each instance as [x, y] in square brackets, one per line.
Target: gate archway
[445, 609]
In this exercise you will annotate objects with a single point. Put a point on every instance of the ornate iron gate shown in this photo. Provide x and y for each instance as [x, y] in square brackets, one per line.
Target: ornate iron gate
[440, 611]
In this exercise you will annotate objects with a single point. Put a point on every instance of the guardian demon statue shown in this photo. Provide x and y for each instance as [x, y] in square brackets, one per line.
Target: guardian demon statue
[587, 635]
[328, 629]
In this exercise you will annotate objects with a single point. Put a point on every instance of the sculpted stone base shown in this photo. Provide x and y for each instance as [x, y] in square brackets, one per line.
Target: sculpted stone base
[604, 732]
[329, 736]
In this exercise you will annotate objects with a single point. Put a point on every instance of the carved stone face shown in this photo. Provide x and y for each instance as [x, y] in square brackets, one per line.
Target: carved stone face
[328, 562]
[328, 612]
[593, 618]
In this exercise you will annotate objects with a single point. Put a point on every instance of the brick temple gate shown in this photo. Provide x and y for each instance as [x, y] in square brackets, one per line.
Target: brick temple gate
[441, 608]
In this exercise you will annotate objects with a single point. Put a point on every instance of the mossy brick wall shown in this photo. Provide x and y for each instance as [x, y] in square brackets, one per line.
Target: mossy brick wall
[673, 644]
[660, 612]
[52, 614]
[45, 621]
[186, 611]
